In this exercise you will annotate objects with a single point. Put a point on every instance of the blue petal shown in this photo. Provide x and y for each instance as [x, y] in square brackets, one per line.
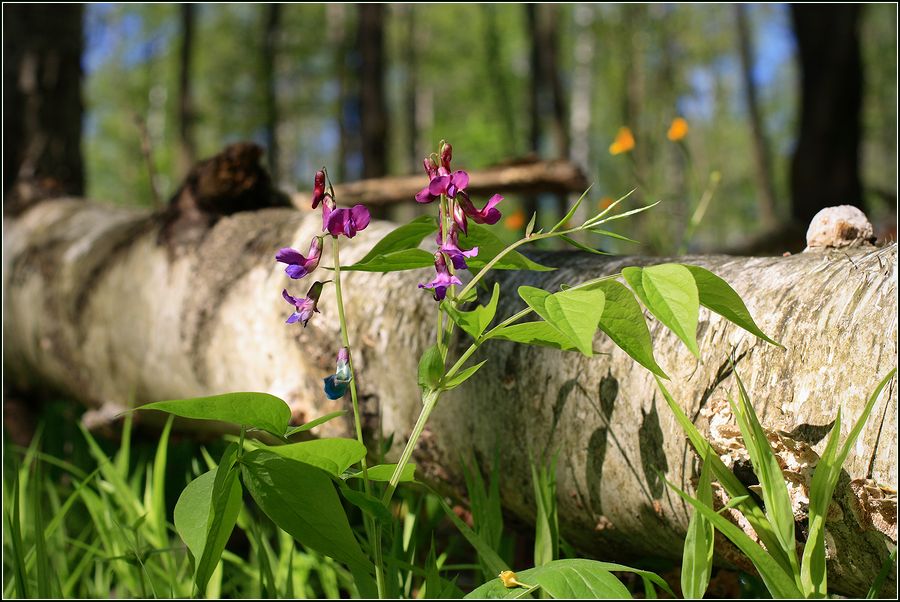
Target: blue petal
[333, 388]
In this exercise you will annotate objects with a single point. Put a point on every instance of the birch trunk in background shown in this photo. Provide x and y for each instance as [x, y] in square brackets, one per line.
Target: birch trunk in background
[98, 308]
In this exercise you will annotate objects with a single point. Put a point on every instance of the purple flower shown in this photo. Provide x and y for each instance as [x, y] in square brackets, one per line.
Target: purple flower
[487, 215]
[443, 183]
[451, 248]
[304, 307]
[318, 189]
[336, 384]
[459, 217]
[345, 221]
[443, 280]
[298, 265]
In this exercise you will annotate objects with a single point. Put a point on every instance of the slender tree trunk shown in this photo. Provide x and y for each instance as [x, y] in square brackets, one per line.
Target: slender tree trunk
[339, 40]
[411, 90]
[825, 166]
[186, 142]
[530, 201]
[42, 112]
[497, 74]
[583, 93]
[635, 87]
[270, 79]
[373, 105]
[765, 187]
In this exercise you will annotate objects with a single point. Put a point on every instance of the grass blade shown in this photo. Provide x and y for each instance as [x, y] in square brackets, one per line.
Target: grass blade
[696, 564]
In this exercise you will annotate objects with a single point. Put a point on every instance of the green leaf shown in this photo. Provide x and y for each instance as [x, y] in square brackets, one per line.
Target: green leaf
[225, 504]
[669, 292]
[718, 296]
[696, 563]
[574, 312]
[314, 423]
[530, 227]
[813, 576]
[572, 578]
[486, 553]
[192, 514]
[331, 455]
[778, 581]
[368, 504]
[397, 261]
[489, 246]
[776, 498]
[572, 211]
[301, 500]
[254, 410]
[609, 234]
[735, 489]
[462, 377]
[431, 368]
[535, 333]
[623, 322]
[546, 536]
[881, 577]
[583, 247]
[383, 473]
[407, 236]
[475, 322]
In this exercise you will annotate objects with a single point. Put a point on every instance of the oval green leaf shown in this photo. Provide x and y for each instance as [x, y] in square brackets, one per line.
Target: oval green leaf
[572, 578]
[331, 455]
[254, 410]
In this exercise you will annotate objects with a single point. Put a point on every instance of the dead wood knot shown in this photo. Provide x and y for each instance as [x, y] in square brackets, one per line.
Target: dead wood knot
[229, 182]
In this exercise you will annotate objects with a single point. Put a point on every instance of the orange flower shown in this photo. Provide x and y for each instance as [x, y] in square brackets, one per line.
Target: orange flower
[515, 220]
[605, 202]
[623, 143]
[678, 130]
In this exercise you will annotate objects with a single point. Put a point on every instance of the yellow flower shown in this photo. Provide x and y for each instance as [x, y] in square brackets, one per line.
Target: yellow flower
[509, 579]
[623, 143]
[678, 130]
[515, 221]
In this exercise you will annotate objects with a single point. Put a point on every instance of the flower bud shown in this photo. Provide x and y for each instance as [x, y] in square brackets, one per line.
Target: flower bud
[318, 189]
[342, 371]
[430, 167]
[446, 154]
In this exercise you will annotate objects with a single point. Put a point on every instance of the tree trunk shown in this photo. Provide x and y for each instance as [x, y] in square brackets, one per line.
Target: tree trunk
[825, 167]
[187, 146]
[582, 93]
[765, 188]
[373, 105]
[98, 308]
[339, 41]
[270, 79]
[42, 110]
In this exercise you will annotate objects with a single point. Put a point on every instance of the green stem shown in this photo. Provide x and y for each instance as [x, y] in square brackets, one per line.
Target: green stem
[429, 400]
[372, 527]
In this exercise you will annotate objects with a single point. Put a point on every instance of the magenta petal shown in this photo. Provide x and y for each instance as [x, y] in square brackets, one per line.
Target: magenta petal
[289, 298]
[425, 196]
[439, 185]
[336, 221]
[361, 216]
[460, 179]
[492, 202]
[490, 217]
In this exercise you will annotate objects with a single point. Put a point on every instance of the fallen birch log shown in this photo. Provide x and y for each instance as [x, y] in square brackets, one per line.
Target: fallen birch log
[99, 306]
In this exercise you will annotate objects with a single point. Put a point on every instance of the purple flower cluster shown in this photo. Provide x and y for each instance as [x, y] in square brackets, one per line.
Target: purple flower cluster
[452, 185]
[336, 222]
